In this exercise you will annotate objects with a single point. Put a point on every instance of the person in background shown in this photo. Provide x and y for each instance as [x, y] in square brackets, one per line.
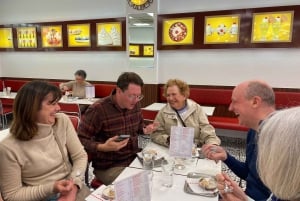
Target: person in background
[182, 111]
[278, 164]
[252, 102]
[36, 156]
[102, 123]
[77, 86]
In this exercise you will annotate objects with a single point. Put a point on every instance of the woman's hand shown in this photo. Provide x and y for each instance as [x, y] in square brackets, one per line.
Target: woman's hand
[71, 196]
[229, 189]
[63, 186]
[150, 128]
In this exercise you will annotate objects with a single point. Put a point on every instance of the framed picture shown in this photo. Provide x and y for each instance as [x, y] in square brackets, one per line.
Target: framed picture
[272, 27]
[109, 34]
[134, 50]
[79, 35]
[26, 37]
[178, 31]
[52, 36]
[6, 38]
[222, 29]
[148, 50]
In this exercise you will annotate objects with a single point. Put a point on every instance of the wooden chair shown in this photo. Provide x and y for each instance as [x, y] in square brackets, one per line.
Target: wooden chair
[70, 109]
[6, 108]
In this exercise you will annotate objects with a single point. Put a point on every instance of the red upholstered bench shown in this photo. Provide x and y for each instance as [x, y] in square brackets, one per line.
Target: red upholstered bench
[15, 84]
[102, 90]
[226, 123]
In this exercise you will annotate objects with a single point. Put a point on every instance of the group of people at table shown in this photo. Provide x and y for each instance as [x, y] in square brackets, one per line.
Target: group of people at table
[44, 158]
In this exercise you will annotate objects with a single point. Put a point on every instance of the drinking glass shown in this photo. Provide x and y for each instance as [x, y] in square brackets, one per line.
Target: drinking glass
[167, 166]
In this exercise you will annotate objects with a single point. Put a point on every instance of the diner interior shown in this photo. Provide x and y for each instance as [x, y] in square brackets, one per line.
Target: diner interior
[211, 70]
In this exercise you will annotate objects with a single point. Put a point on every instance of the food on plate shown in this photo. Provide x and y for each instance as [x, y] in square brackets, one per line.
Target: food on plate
[208, 183]
[178, 31]
[108, 193]
[150, 151]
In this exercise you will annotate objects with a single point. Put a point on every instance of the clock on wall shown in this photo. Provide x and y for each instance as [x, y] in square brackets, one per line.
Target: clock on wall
[140, 4]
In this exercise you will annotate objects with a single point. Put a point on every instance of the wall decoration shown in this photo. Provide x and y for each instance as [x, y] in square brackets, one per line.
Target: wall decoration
[109, 34]
[139, 4]
[134, 50]
[6, 38]
[52, 36]
[26, 37]
[79, 35]
[221, 29]
[178, 31]
[272, 27]
[148, 50]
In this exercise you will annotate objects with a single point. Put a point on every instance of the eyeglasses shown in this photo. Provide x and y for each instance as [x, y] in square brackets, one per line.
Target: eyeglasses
[134, 97]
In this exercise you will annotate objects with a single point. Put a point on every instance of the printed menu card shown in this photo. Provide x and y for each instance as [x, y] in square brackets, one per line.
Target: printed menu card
[134, 188]
[181, 141]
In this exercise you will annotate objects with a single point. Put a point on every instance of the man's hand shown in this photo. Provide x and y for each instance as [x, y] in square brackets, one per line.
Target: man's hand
[214, 152]
[112, 145]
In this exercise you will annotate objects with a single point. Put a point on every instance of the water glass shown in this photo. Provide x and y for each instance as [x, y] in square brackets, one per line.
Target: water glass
[8, 90]
[148, 160]
[167, 166]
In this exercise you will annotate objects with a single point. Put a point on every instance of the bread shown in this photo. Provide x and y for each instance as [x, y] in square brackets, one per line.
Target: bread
[207, 183]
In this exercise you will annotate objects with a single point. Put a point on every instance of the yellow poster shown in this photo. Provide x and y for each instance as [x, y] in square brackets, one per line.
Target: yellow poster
[6, 38]
[109, 34]
[79, 35]
[134, 50]
[272, 27]
[148, 50]
[52, 36]
[222, 29]
[178, 31]
[26, 37]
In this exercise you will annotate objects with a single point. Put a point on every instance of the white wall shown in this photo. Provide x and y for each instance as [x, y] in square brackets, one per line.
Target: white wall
[280, 67]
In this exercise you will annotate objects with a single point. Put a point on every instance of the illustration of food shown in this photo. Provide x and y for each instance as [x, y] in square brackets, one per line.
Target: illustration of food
[221, 29]
[82, 39]
[208, 30]
[115, 36]
[104, 38]
[53, 37]
[74, 31]
[264, 27]
[178, 31]
[234, 28]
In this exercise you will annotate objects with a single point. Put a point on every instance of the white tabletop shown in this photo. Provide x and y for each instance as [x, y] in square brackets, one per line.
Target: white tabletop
[3, 134]
[158, 106]
[82, 101]
[12, 95]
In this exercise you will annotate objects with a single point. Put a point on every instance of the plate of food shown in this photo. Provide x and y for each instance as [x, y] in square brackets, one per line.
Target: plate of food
[108, 193]
[157, 157]
[177, 31]
[201, 184]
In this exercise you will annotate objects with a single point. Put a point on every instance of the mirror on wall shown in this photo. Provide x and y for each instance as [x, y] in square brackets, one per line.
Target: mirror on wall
[141, 40]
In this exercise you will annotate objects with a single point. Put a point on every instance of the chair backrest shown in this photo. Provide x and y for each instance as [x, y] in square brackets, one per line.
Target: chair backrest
[70, 109]
[75, 121]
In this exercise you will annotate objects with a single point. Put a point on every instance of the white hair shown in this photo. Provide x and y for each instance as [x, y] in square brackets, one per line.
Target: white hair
[278, 154]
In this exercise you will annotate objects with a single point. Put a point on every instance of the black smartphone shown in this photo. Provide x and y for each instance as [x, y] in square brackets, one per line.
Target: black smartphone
[122, 137]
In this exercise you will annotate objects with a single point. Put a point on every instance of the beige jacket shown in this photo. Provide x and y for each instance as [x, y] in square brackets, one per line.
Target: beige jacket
[28, 169]
[193, 117]
[78, 90]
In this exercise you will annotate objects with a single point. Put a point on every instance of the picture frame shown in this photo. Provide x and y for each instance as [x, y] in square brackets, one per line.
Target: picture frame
[26, 37]
[178, 31]
[109, 34]
[148, 50]
[134, 50]
[272, 27]
[52, 36]
[79, 35]
[222, 29]
[6, 38]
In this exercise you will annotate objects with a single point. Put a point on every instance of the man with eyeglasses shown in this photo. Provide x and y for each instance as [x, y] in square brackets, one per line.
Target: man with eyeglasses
[107, 119]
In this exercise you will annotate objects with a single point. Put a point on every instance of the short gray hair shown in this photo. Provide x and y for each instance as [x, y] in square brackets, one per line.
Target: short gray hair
[261, 89]
[278, 154]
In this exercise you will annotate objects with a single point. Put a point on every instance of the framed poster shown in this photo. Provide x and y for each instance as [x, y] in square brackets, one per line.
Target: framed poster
[272, 27]
[79, 35]
[134, 50]
[6, 38]
[178, 31]
[26, 37]
[109, 34]
[148, 50]
[222, 29]
[52, 36]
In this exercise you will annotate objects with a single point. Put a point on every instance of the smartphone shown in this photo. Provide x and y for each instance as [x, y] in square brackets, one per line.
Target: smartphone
[122, 137]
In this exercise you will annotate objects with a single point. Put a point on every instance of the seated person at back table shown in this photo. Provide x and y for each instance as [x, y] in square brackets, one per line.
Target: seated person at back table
[102, 123]
[252, 101]
[191, 115]
[35, 156]
[77, 86]
[277, 159]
